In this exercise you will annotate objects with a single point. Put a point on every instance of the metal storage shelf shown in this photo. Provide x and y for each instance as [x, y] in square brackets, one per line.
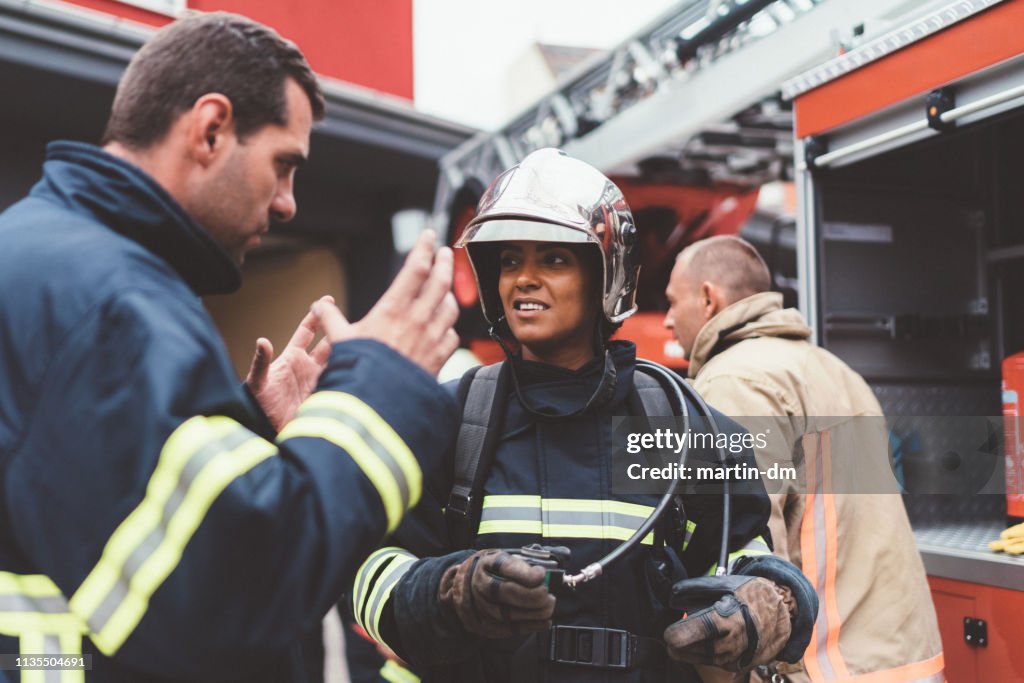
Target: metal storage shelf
[959, 550]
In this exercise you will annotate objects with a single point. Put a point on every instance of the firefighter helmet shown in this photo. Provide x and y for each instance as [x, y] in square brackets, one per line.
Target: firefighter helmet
[551, 197]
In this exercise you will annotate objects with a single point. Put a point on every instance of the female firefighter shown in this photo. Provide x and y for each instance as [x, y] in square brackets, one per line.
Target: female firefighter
[551, 250]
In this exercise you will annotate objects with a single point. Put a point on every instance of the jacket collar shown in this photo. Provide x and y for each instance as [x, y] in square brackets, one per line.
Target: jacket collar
[760, 315]
[130, 202]
[559, 392]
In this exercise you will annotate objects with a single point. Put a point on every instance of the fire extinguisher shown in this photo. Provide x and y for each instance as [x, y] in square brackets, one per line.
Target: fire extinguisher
[1013, 422]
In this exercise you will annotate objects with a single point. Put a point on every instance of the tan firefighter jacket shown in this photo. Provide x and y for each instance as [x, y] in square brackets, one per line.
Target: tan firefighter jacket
[876, 622]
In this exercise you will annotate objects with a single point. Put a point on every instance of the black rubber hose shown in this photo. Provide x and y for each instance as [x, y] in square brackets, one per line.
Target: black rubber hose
[679, 387]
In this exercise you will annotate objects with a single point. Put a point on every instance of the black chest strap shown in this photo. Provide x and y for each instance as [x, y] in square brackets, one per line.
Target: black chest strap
[480, 392]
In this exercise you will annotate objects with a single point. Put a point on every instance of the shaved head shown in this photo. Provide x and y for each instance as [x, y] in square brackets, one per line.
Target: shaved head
[730, 262]
[709, 276]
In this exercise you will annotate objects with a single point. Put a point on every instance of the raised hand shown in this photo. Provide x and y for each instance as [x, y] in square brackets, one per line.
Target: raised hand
[283, 384]
[414, 316]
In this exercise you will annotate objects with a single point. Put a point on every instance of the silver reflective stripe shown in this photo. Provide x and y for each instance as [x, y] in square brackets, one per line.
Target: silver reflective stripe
[51, 646]
[753, 547]
[821, 625]
[607, 518]
[145, 549]
[54, 604]
[395, 570]
[376, 446]
[562, 517]
[364, 578]
[934, 678]
[511, 514]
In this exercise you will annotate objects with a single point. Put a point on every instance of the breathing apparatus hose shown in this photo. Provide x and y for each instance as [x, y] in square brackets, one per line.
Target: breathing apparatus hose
[679, 387]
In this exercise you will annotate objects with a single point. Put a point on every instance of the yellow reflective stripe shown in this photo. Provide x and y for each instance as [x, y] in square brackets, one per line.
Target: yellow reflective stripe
[31, 585]
[756, 546]
[365, 578]
[373, 445]
[33, 609]
[505, 526]
[562, 517]
[50, 645]
[502, 501]
[31, 643]
[203, 456]
[210, 483]
[71, 644]
[15, 623]
[379, 429]
[567, 505]
[611, 533]
[393, 672]
[691, 526]
[348, 440]
[602, 506]
[184, 442]
[390, 439]
[382, 590]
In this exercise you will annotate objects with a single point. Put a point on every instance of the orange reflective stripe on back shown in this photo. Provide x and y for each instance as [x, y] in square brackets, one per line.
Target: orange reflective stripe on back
[929, 671]
[808, 553]
[834, 620]
[819, 550]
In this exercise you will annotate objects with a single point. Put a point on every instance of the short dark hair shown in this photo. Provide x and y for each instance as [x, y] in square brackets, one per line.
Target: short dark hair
[217, 52]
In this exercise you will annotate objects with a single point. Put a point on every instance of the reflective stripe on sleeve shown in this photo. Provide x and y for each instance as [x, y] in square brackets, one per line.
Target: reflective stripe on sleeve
[691, 526]
[376, 448]
[563, 517]
[393, 672]
[33, 610]
[756, 546]
[375, 581]
[198, 461]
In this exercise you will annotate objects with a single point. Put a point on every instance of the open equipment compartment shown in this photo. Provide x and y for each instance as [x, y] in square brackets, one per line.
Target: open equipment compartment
[911, 257]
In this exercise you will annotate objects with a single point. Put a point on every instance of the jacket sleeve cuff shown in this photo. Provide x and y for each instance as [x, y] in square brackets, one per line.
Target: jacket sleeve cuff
[786, 574]
[428, 632]
[401, 392]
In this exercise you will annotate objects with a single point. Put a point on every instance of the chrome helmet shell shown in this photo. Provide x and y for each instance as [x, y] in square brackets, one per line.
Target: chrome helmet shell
[551, 197]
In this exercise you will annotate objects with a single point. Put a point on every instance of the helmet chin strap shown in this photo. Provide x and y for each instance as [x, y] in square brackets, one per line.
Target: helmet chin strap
[603, 393]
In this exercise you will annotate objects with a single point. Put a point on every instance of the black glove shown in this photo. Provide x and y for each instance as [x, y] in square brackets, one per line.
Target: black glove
[747, 624]
[497, 595]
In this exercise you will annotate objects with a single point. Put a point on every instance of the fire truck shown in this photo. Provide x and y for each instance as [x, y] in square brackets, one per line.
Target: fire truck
[871, 150]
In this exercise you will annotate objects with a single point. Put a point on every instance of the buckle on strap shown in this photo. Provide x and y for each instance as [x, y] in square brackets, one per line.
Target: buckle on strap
[460, 503]
[605, 648]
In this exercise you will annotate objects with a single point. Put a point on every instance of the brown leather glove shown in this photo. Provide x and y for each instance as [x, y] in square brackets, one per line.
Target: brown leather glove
[746, 627]
[497, 595]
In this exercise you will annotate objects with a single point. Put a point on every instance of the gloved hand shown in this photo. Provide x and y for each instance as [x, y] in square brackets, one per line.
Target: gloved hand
[1011, 541]
[497, 595]
[746, 626]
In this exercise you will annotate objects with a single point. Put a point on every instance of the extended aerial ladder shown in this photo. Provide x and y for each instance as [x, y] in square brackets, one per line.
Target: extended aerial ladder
[687, 115]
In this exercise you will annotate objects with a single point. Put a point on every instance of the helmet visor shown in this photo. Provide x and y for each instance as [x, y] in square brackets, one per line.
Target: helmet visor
[511, 229]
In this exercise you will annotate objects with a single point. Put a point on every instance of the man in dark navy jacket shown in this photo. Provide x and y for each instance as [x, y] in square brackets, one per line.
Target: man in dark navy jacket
[155, 517]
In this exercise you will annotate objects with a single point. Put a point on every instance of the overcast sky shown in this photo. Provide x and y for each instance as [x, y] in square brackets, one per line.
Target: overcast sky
[463, 49]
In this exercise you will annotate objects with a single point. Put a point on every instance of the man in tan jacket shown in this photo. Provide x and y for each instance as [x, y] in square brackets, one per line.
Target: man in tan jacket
[750, 357]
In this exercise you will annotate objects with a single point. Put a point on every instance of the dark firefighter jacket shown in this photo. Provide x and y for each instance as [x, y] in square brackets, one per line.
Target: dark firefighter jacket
[150, 517]
[550, 483]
